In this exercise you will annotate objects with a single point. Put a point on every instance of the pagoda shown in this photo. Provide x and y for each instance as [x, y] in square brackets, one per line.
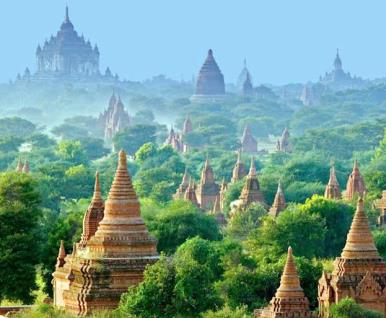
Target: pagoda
[186, 129]
[359, 273]
[19, 166]
[239, 171]
[248, 142]
[210, 86]
[381, 205]
[247, 86]
[284, 143]
[105, 262]
[332, 190]
[174, 140]
[217, 211]
[182, 187]
[114, 119]
[279, 203]
[208, 189]
[289, 300]
[355, 183]
[67, 55]
[250, 193]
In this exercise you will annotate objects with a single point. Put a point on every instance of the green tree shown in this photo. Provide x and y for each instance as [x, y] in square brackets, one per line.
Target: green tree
[227, 312]
[71, 151]
[69, 132]
[348, 308]
[132, 138]
[16, 126]
[20, 215]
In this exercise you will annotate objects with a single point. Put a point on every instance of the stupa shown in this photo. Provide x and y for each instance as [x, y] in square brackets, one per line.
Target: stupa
[210, 86]
[182, 187]
[284, 143]
[355, 183]
[279, 203]
[248, 142]
[332, 190]
[239, 171]
[381, 205]
[289, 300]
[208, 189]
[103, 265]
[190, 194]
[359, 273]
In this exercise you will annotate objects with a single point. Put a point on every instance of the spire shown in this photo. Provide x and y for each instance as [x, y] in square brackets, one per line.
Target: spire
[360, 243]
[216, 205]
[355, 183]
[279, 203]
[337, 61]
[251, 191]
[61, 255]
[97, 197]
[252, 169]
[239, 170]
[289, 282]
[332, 190]
[26, 168]
[190, 193]
[66, 17]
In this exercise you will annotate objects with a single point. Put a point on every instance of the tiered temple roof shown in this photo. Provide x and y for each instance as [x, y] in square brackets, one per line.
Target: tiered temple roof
[208, 189]
[67, 54]
[355, 183]
[332, 190]
[279, 203]
[359, 273]
[210, 81]
[101, 268]
[289, 300]
[248, 142]
[175, 140]
[23, 167]
[190, 193]
[239, 171]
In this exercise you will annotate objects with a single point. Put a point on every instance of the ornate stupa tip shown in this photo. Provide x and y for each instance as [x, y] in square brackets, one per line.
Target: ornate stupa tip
[61, 255]
[289, 282]
[210, 52]
[252, 169]
[360, 243]
[122, 159]
[97, 189]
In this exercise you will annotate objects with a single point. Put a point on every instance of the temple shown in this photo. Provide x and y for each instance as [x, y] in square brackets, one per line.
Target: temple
[247, 89]
[338, 79]
[359, 273]
[23, 167]
[67, 55]
[210, 86]
[186, 129]
[332, 190]
[251, 191]
[284, 143]
[174, 140]
[182, 187]
[190, 193]
[208, 189]
[381, 205]
[289, 300]
[279, 203]
[355, 183]
[105, 263]
[248, 142]
[239, 170]
[114, 119]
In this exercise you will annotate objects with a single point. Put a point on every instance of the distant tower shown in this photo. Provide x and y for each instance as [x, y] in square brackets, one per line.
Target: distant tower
[115, 118]
[207, 190]
[247, 86]
[284, 143]
[210, 84]
[251, 191]
[239, 170]
[355, 183]
[26, 168]
[248, 142]
[338, 62]
[182, 187]
[332, 190]
[381, 205]
[279, 203]
[190, 194]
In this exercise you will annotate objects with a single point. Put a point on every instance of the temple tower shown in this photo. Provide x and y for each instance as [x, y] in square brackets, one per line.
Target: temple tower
[332, 190]
[289, 300]
[279, 203]
[359, 273]
[210, 84]
[26, 167]
[101, 268]
[207, 190]
[115, 118]
[248, 142]
[182, 187]
[239, 171]
[381, 205]
[20, 166]
[251, 191]
[247, 86]
[355, 183]
[174, 139]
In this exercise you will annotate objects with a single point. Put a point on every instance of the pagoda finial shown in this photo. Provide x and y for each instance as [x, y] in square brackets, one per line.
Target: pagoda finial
[61, 255]
[360, 243]
[97, 189]
[289, 282]
[252, 169]
[66, 17]
[210, 52]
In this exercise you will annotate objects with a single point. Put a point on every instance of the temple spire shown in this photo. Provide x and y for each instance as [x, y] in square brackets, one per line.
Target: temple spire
[97, 189]
[332, 190]
[66, 17]
[252, 169]
[61, 255]
[279, 203]
[360, 243]
[19, 167]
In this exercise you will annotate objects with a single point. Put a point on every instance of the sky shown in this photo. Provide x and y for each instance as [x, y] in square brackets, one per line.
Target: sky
[284, 41]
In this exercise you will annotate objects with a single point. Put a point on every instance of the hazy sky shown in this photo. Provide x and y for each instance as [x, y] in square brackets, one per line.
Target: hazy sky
[283, 41]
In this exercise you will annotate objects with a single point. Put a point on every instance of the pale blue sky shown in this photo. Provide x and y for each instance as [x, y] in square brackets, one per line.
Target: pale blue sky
[283, 41]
